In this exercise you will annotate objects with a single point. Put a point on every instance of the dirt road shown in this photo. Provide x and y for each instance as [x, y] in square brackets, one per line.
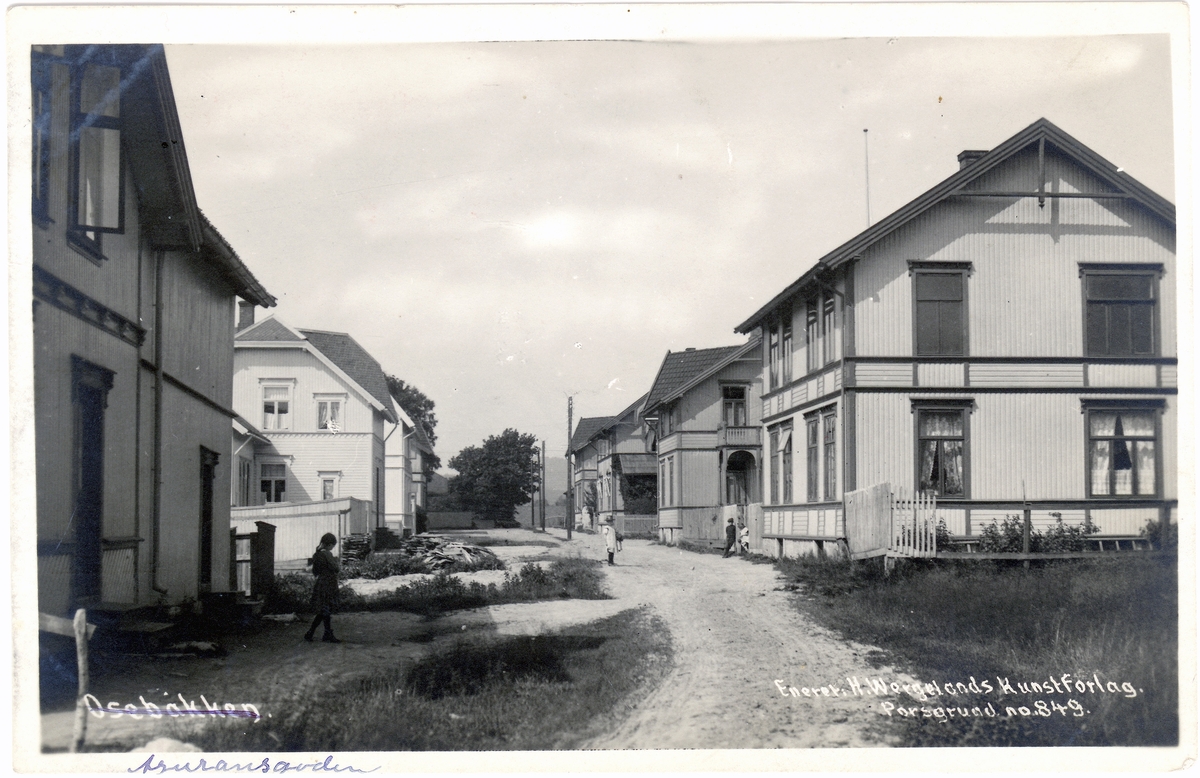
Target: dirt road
[734, 636]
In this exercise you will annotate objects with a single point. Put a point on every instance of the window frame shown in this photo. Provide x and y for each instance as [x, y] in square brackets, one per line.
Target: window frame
[333, 399]
[963, 269]
[277, 384]
[1155, 271]
[812, 334]
[829, 453]
[42, 89]
[263, 478]
[812, 446]
[87, 238]
[331, 476]
[785, 344]
[964, 406]
[1156, 407]
[728, 403]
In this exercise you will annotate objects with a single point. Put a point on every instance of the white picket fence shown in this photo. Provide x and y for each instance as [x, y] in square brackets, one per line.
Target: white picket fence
[914, 525]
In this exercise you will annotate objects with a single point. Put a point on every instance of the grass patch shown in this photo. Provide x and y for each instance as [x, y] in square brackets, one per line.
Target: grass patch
[1115, 618]
[526, 693]
[572, 578]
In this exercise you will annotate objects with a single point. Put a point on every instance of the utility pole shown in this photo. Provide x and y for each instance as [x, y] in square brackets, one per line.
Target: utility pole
[569, 514]
[543, 482]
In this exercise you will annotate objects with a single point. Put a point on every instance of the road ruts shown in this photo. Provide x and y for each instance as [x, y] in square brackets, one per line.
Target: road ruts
[734, 635]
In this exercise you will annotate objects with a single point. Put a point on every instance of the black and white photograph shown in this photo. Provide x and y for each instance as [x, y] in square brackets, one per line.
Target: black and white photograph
[602, 387]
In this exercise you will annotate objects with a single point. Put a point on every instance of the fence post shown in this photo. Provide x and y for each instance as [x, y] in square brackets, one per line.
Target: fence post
[1025, 533]
[81, 659]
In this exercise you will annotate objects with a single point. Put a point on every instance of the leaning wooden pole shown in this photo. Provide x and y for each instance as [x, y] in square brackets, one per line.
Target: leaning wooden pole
[81, 659]
[569, 513]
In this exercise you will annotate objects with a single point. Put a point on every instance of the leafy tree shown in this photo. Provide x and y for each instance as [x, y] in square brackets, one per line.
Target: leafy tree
[420, 409]
[496, 477]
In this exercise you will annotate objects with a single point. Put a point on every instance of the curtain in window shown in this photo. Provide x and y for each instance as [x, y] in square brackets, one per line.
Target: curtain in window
[1121, 464]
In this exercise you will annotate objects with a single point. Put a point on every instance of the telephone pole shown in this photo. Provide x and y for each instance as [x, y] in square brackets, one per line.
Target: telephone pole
[569, 514]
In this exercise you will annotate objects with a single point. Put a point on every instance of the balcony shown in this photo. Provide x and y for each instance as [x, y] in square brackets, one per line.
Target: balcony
[740, 437]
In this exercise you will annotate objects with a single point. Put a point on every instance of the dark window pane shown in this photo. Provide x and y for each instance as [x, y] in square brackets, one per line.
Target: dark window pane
[1119, 342]
[1141, 322]
[952, 469]
[1120, 287]
[1097, 330]
[939, 286]
[930, 465]
[928, 329]
[950, 315]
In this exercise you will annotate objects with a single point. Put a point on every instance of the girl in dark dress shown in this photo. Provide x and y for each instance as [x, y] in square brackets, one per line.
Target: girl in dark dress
[325, 589]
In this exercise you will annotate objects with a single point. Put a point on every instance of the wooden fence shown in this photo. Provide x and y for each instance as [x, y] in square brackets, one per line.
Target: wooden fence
[882, 523]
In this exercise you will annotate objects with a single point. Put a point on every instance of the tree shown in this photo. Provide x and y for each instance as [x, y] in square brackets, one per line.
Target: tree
[496, 477]
[420, 409]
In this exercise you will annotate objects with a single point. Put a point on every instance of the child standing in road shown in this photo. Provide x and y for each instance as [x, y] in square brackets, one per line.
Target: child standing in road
[610, 539]
[325, 588]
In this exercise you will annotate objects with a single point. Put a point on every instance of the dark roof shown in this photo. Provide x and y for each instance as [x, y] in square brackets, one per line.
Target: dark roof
[680, 367]
[231, 266]
[638, 464]
[422, 440]
[353, 360]
[586, 428]
[1042, 129]
[268, 329]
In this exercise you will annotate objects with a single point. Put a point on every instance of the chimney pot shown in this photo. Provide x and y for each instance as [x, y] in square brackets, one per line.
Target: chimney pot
[968, 157]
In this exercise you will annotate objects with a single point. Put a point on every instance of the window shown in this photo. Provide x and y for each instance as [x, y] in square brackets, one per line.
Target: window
[41, 90]
[276, 408]
[329, 415]
[1123, 451]
[828, 328]
[733, 406]
[781, 464]
[829, 421]
[97, 206]
[939, 311]
[668, 420]
[786, 463]
[1120, 311]
[671, 480]
[812, 428]
[662, 483]
[941, 451]
[786, 347]
[273, 478]
[329, 485]
[812, 334]
[773, 355]
[245, 469]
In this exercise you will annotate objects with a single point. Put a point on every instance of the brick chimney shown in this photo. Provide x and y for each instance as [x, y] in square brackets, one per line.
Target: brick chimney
[968, 157]
[245, 315]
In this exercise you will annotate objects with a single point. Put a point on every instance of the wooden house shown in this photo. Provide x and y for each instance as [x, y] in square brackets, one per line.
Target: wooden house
[406, 448]
[584, 459]
[133, 320]
[322, 402]
[626, 473]
[1007, 338]
[704, 412]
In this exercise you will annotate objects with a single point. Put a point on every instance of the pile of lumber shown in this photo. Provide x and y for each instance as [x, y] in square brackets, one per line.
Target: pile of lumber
[439, 553]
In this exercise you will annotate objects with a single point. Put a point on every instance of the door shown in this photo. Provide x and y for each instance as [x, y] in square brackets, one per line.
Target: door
[90, 385]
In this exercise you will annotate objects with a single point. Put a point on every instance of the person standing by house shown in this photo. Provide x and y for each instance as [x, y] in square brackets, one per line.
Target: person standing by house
[610, 539]
[743, 538]
[325, 588]
[730, 538]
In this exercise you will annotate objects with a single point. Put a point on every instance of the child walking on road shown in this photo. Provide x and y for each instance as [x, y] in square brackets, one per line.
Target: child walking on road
[325, 588]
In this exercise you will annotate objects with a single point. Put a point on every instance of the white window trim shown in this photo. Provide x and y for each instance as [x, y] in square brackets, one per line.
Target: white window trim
[325, 397]
[278, 383]
[327, 475]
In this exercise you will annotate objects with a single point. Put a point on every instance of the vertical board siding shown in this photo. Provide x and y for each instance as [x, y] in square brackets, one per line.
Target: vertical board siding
[1170, 453]
[700, 472]
[116, 576]
[198, 331]
[1122, 375]
[884, 425]
[1024, 294]
[54, 583]
[1034, 439]
[940, 374]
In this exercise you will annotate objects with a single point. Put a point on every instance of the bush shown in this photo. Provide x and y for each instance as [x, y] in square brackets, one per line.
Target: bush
[1007, 537]
[1162, 539]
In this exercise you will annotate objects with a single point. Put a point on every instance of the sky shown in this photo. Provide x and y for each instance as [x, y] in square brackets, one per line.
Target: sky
[505, 225]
